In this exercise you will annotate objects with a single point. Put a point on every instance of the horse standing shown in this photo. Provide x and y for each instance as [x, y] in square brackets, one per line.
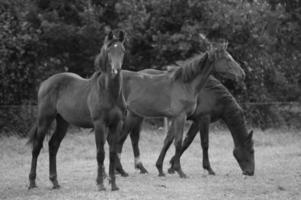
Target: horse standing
[172, 95]
[89, 103]
[214, 102]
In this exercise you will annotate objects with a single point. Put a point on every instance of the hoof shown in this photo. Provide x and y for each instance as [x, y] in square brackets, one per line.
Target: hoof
[161, 174]
[101, 188]
[122, 172]
[141, 168]
[115, 188]
[56, 187]
[211, 172]
[32, 186]
[209, 169]
[144, 171]
[171, 170]
[182, 174]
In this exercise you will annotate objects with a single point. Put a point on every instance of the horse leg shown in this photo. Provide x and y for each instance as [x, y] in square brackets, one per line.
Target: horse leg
[54, 144]
[114, 131]
[125, 131]
[37, 143]
[204, 135]
[186, 143]
[167, 142]
[135, 136]
[179, 128]
[100, 138]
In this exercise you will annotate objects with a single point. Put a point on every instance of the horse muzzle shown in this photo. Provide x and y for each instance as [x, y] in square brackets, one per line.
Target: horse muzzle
[115, 71]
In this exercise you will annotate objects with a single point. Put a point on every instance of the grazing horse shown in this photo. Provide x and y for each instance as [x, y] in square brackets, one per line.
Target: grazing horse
[216, 102]
[172, 95]
[89, 103]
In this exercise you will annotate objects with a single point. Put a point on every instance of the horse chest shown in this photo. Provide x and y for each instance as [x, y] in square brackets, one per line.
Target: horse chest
[182, 100]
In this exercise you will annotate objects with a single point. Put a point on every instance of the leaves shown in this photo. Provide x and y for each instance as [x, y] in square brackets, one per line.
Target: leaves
[40, 38]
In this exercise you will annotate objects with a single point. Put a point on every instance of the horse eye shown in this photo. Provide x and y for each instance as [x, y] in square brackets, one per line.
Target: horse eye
[252, 151]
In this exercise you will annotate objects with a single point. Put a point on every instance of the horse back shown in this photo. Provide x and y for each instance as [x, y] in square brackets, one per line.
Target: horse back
[156, 95]
[66, 94]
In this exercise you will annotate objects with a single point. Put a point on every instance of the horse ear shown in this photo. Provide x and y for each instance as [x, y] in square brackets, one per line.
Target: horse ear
[250, 136]
[110, 35]
[225, 45]
[121, 36]
[208, 44]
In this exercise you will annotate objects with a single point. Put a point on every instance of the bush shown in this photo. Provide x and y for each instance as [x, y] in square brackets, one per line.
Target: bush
[42, 37]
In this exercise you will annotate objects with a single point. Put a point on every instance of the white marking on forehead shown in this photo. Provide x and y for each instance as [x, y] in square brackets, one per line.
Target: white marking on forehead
[115, 45]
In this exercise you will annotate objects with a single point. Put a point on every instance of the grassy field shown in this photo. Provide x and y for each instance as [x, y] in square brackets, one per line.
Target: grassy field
[277, 175]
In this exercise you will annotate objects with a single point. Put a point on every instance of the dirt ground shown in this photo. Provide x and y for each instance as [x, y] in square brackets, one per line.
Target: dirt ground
[277, 175]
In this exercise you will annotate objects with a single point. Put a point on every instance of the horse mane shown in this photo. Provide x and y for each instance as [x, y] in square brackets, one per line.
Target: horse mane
[190, 68]
[220, 90]
[100, 60]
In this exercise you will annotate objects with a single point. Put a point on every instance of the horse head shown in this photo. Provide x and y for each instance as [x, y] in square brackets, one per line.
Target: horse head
[223, 62]
[244, 154]
[111, 55]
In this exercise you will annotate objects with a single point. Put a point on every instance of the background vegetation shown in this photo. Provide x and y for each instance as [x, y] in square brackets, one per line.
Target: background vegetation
[41, 37]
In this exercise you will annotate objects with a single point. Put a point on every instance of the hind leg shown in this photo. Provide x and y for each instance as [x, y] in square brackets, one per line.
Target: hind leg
[204, 134]
[54, 144]
[124, 133]
[135, 136]
[37, 143]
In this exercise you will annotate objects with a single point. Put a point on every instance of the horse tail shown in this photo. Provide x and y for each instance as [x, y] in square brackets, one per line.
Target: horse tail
[33, 134]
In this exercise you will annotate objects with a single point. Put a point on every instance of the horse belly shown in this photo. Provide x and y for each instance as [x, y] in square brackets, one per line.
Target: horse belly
[75, 113]
[146, 108]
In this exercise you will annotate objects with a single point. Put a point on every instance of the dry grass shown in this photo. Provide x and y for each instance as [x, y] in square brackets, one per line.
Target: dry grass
[278, 170]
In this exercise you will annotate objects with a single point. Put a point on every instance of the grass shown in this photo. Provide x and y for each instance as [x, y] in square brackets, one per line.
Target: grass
[277, 155]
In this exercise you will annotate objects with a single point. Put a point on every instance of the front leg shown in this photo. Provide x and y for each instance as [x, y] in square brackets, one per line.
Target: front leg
[179, 128]
[100, 138]
[167, 142]
[114, 132]
[186, 143]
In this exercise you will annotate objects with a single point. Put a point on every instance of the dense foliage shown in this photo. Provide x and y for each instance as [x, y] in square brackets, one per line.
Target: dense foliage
[42, 37]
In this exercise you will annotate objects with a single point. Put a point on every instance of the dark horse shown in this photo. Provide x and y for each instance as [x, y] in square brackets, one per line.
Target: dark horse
[214, 102]
[172, 95]
[89, 103]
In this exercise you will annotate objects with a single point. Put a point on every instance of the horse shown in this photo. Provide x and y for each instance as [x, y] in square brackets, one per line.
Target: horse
[172, 95]
[89, 103]
[214, 103]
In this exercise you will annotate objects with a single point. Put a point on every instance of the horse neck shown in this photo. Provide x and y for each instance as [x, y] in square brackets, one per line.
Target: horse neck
[113, 85]
[200, 80]
[234, 118]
